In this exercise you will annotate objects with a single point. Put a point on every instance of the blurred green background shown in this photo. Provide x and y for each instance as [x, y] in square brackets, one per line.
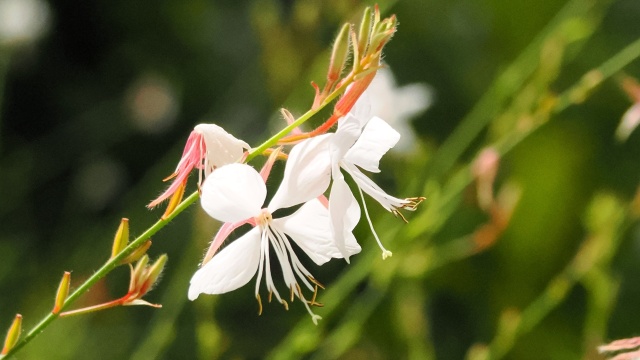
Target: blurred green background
[98, 98]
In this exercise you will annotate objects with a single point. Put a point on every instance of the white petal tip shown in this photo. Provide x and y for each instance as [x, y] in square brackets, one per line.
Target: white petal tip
[193, 294]
[386, 254]
[315, 319]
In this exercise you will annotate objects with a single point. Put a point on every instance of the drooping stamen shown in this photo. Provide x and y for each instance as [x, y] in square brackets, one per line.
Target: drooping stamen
[385, 253]
[313, 302]
[316, 282]
[269, 280]
[299, 269]
[410, 204]
[192, 156]
[413, 202]
[259, 304]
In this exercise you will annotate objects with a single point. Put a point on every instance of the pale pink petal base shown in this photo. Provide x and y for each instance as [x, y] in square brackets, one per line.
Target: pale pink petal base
[232, 268]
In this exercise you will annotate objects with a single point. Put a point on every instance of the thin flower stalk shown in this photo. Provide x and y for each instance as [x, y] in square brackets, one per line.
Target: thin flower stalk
[142, 279]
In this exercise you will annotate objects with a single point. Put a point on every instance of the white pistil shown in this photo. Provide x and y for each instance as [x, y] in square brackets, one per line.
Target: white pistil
[385, 253]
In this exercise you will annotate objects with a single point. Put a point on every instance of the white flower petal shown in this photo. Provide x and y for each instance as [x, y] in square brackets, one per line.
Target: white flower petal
[376, 139]
[233, 193]
[307, 173]
[372, 189]
[222, 147]
[230, 269]
[361, 110]
[344, 138]
[310, 229]
[398, 105]
[344, 213]
[412, 100]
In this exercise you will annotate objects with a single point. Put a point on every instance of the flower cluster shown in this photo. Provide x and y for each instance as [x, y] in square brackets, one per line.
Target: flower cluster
[317, 163]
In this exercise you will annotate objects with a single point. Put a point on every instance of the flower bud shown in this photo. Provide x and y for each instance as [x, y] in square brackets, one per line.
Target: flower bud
[63, 291]
[364, 33]
[154, 271]
[137, 274]
[381, 33]
[13, 334]
[137, 253]
[122, 237]
[339, 54]
[176, 198]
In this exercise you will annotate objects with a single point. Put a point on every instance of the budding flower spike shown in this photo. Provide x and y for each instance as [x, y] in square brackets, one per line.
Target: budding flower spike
[208, 147]
[366, 52]
[235, 193]
[142, 279]
[63, 291]
[121, 238]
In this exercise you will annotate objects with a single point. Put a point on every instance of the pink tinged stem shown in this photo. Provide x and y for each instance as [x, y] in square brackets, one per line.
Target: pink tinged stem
[94, 308]
[346, 102]
[225, 230]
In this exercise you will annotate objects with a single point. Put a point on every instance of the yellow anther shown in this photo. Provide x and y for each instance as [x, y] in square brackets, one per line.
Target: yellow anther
[259, 304]
[316, 282]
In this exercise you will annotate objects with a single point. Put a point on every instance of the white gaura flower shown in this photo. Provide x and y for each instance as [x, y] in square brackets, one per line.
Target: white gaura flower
[208, 147]
[398, 104]
[235, 193]
[358, 144]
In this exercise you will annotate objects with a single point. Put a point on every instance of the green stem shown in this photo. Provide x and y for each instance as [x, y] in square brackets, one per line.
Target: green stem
[297, 342]
[102, 272]
[301, 120]
[595, 77]
[115, 261]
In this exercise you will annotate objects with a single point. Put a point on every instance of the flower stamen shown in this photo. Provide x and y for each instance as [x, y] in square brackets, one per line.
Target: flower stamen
[413, 202]
[259, 304]
[315, 281]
